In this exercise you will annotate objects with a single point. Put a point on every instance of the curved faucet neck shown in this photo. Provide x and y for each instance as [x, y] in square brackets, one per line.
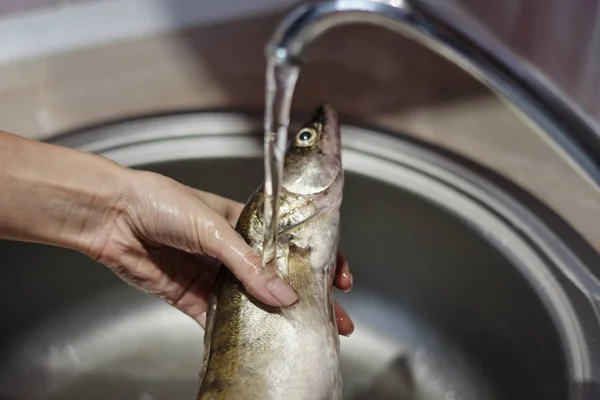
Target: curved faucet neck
[456, 36]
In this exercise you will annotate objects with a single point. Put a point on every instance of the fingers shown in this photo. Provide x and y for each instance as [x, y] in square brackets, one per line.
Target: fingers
[193, 299]
[343, 277]
[343, 320]
[343, 281]
[195, 305]
[183, 280]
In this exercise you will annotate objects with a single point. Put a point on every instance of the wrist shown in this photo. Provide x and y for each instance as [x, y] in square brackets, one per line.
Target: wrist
[97, 206]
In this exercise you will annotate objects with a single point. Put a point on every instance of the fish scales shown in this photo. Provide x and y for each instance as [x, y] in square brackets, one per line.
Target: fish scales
[254, 351]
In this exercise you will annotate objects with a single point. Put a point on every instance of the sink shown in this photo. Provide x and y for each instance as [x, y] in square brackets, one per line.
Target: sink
[465, 288]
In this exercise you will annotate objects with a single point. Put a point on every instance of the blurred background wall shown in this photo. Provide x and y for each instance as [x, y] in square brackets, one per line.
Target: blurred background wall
[560, 37]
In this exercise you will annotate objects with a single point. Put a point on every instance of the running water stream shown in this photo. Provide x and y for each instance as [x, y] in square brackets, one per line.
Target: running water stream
[281, 81]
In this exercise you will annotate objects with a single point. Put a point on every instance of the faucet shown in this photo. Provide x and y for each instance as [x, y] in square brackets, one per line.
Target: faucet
[455, 35]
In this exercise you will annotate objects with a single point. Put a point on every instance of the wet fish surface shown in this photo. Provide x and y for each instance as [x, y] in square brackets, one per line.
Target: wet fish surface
[254, 351]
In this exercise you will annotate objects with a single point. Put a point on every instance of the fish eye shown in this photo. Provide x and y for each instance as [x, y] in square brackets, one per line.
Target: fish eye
[306, 137]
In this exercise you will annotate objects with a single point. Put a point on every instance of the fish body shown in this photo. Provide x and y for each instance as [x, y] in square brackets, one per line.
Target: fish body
[254, 351]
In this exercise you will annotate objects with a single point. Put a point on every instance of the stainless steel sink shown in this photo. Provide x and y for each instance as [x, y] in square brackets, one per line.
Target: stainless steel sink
[465, 286]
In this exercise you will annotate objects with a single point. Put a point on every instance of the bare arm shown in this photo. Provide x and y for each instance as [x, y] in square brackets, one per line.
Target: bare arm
[56, 195]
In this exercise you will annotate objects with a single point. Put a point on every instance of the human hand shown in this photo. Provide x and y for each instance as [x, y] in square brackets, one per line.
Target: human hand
[169, 240]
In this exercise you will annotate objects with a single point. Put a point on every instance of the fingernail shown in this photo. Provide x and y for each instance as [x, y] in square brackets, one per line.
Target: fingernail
[350, 279]
[282, 291]
[202, 320]
[351, 328]
[341, 322]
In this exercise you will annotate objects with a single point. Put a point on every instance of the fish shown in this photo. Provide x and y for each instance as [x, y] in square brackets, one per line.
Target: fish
[255, 351]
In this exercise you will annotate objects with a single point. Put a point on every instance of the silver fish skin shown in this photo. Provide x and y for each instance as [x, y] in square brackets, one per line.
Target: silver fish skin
[254, 351]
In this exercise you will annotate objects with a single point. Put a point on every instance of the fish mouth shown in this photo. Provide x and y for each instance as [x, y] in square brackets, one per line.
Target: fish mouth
[320, 114]
[323, 115]
[332, 143]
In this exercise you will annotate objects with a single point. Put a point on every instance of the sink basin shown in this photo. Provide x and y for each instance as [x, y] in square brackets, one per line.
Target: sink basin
[465, 286]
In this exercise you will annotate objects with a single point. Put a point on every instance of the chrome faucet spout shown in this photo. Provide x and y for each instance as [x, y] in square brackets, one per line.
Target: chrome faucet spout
[455, 35]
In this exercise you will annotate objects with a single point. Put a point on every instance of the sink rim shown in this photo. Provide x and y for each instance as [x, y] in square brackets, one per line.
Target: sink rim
[564, 253]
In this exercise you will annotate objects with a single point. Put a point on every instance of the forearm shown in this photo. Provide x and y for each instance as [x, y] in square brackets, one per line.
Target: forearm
[55, 195]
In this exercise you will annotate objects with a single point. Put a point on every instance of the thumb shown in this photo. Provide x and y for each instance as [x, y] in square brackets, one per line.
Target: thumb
[225, 244]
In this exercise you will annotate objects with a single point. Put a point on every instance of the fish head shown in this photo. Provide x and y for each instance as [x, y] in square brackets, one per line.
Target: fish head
[313, 161]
